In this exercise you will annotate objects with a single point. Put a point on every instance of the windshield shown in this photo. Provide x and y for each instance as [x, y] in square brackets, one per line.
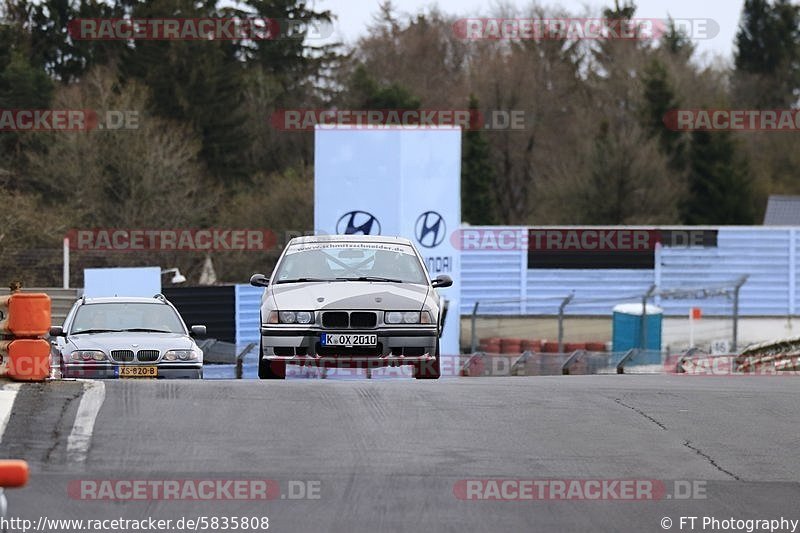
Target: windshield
[122, 316]
[350, 261]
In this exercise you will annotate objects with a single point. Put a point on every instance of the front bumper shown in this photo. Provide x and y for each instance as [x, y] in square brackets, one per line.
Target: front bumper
[110, 371]
[396, 346]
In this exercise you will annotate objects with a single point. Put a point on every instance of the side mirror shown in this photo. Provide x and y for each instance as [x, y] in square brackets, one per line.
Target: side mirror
[198, 331]
[259, 280]
[56, 331]
[13, 473]
[442, 281]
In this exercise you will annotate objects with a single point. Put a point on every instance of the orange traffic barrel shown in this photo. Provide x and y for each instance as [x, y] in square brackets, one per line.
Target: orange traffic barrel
[531, 345]
[550, 347]
[596, 346]
[511, 346]
[574, 347]
[25, 314]
[26, 359]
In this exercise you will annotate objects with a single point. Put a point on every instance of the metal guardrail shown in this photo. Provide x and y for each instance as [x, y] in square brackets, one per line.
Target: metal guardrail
[630, 354]
[572, 358]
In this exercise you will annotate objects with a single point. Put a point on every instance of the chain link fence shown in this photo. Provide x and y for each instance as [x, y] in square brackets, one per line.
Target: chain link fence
[570, 340]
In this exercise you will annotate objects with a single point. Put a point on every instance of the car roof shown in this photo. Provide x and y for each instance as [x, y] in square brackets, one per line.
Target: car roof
[350, 238]
[122, 299]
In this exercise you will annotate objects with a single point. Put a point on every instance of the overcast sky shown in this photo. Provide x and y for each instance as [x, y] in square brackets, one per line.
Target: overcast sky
[355, 15]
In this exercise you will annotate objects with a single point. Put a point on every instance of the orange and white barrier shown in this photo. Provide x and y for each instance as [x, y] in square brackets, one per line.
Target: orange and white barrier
[24, 354]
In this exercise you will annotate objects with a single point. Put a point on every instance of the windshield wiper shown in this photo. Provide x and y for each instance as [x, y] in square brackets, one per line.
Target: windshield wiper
[95, 331]
[372, 278]
[302, 280]
[147, 330]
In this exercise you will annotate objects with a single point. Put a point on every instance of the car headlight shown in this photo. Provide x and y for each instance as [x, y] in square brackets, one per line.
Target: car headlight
[407, 317]
[180, 355]
[291, 317]
[88, 355]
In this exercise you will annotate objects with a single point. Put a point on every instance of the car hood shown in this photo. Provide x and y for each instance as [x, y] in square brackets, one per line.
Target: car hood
[125, 341]
[349, 295]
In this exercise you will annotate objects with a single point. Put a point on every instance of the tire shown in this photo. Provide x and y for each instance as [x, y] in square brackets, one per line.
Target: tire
[270, 369]
[431, 370]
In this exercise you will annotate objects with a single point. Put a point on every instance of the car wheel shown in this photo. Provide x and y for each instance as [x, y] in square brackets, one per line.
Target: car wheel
[270, 369]
[429, 370]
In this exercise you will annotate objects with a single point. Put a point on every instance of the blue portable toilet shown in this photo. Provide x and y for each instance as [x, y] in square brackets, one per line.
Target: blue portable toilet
[627, 330]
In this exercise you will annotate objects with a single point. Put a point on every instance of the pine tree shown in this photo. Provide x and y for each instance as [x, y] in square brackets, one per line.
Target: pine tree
[720, 183]
[369, 94]
[659, 99]
[477, 177]
[23, 85]
[768, 54]
[676, 42]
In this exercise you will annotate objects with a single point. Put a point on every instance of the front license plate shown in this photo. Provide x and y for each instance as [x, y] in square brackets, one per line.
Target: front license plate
[348, 339]
[138, 371]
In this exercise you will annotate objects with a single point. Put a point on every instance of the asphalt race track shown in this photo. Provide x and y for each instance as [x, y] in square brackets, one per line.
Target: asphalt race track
[391, 454]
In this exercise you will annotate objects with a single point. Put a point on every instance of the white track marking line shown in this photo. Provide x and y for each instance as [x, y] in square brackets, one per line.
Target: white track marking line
[8, 394]
[81, 436]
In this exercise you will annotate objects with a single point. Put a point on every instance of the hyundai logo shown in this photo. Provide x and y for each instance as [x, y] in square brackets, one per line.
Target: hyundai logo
[356, 222]
[430, 229]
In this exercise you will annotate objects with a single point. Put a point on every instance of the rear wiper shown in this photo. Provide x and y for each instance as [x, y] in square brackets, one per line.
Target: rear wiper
[302, 280]
[372, 278]
[146, 330]
[95, 331]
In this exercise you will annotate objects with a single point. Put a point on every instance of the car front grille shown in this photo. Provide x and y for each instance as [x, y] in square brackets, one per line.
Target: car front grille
[122, 356]
[355, 319]
[147, 356]
[360, 319]
[335, 319]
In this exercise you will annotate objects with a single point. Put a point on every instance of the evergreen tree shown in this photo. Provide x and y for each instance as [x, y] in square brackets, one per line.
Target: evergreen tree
[477, 177]
[23, 85]
[676, 42]
[720, 183]
[659, 99]
[50, 44]
[369, 94]
[768, 54]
